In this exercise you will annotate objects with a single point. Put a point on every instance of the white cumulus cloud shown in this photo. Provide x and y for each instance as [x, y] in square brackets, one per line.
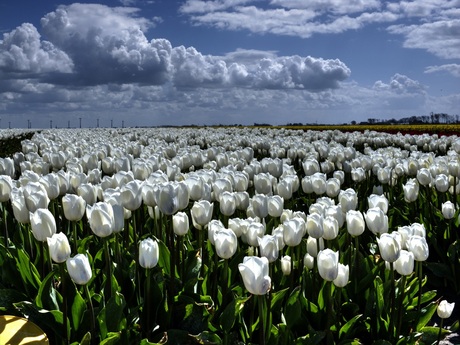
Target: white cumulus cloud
[23, 53]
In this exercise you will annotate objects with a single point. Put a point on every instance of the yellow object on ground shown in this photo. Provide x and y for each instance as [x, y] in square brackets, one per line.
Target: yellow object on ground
[19, 331]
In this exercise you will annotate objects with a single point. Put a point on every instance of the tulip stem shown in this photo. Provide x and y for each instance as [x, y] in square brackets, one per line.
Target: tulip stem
[356, 264]
[75, 236]
[225, 284]
[418, 268]
[5, 226]
[329, 338]
[147, 303]
[392, 301]
[91, 314]
[108, 281]
[262, 318]
[200, 246]
[440, 331]
[402, 289]
[64, 302]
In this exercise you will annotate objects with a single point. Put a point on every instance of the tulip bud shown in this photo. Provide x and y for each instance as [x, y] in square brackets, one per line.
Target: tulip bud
[448, 210]
[74, 207]
[309, 261]
[376, 220]
[180, 223]
[310, 166]
[275, 206]
[213, 226]
[6, 185]
[226, 243]
[221, 185]
[101, 218]
[88, 192]
[268, 247]
[348, 199]
[312, 245]
[35, 196]
[384, 175]
[418, 229]
[379, 201]
[131, 195]
[419, 247]
[342, 277]
[358, 174]
[294, 230]
[59, 247]
[328, 264]
[254, 271]
[227, 203]
[332, 187]
[20, 211]
[424, 177]
[148, 253]
[286, 265]
[330, 227]
[201, 213]
[445, 309]
[43, 224]
[336, 212]
[254, 231]
[411, 189]
[355, 222]
[404, 265]
[389, 247]
[442, 183]
[314, 225]
[260, 205]
[318, 181]
[79, 269]
[263, 183]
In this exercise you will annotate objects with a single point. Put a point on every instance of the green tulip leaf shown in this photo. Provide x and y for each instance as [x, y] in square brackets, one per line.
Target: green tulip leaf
[233, 309]
[426, 315]
[293, 309]
[29, 274]
[47, 296]
[86, 340]
[77, 309]
[430, 335]
[277, 299]
[164, 257]
[111, 317]
[346, 329]
[112, 338]
[49, 321]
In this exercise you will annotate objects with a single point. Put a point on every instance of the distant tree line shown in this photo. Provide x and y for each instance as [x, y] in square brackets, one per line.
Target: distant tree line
[433, 118]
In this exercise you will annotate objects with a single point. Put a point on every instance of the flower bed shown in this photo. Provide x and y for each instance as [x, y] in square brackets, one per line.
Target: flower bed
[232, 235]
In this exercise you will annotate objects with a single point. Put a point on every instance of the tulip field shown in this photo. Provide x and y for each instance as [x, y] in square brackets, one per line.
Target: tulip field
[231, 235]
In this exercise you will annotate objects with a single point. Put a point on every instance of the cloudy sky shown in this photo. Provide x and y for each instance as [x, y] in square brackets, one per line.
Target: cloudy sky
[163, 62]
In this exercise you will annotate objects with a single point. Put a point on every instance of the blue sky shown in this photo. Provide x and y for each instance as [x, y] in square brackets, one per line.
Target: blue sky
[163, 62]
